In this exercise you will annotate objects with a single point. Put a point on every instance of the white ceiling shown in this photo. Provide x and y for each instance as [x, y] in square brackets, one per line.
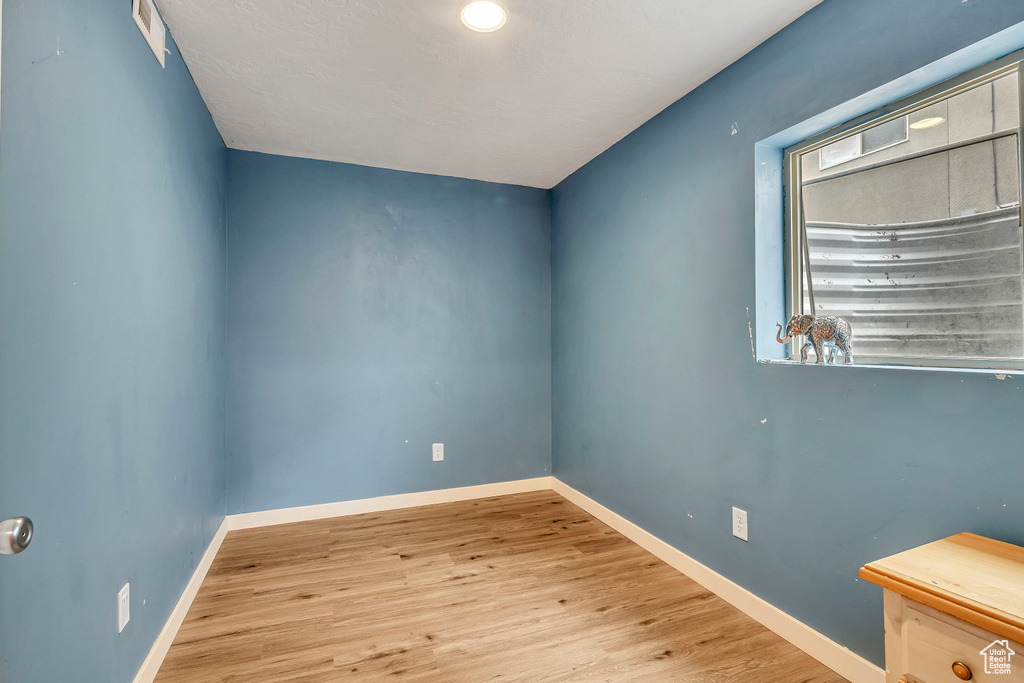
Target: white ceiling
[403, 84]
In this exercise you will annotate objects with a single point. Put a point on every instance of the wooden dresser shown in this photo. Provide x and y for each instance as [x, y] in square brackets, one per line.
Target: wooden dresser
[954, 611]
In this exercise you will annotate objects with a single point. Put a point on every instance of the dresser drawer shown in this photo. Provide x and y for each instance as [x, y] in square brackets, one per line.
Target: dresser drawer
[933, 646]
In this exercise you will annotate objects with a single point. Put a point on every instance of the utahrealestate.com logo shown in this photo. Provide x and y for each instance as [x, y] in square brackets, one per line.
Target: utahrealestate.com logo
[997, 657]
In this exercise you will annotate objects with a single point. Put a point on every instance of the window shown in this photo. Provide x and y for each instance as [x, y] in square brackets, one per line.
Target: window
[877, 138]
[909, 226]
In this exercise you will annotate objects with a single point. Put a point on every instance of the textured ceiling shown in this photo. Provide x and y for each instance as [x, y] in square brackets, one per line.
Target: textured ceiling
[403, 84]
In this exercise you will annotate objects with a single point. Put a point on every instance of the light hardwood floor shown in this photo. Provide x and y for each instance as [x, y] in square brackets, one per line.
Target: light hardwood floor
[526, 587]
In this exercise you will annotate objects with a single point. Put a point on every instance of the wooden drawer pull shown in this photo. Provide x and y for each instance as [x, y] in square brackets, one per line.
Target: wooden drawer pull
[962, 671]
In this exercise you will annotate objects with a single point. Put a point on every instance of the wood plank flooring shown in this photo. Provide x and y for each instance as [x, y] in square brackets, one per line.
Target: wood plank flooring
[526, 587]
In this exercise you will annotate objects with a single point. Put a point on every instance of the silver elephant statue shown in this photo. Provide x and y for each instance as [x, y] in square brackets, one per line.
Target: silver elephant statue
[828, 331]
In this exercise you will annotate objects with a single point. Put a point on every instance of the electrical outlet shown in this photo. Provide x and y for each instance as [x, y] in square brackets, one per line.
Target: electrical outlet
[122, 608]
[739, 523]
[438, 452]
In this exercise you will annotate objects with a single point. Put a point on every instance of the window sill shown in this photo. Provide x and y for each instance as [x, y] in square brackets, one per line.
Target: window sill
[998, 373]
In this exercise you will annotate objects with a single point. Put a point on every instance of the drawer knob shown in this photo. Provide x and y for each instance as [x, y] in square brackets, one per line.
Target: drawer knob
[962, 671]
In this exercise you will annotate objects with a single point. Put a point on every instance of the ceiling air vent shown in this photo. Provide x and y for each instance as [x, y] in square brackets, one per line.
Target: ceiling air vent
[148, 21]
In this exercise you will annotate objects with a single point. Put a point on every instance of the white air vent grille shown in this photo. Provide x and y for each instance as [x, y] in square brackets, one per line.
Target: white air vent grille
[148, 20]
[146, 14]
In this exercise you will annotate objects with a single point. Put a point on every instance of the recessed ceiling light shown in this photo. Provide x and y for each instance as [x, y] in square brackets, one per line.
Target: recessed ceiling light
[927, 123]
[483, 16]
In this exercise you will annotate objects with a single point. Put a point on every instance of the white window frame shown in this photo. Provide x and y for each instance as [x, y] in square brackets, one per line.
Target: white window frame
[794, 242]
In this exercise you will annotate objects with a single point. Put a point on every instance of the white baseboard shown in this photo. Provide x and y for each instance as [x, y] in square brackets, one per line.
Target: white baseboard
[163, 642]
[830, 653]
[307, 513]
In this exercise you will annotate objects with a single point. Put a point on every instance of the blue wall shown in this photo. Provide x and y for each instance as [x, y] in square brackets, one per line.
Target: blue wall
[112, 191]
[372, 313]
[659, 411]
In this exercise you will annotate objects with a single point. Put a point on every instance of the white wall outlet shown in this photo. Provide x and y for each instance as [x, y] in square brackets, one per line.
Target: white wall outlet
[438, 452]
[739, 523]
[122, 608]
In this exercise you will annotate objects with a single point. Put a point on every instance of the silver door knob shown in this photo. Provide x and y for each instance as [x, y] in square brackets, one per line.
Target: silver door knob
[15, 535]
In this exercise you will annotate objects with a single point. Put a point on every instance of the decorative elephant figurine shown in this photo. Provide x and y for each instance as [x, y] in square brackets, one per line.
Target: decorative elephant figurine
[825, 331]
